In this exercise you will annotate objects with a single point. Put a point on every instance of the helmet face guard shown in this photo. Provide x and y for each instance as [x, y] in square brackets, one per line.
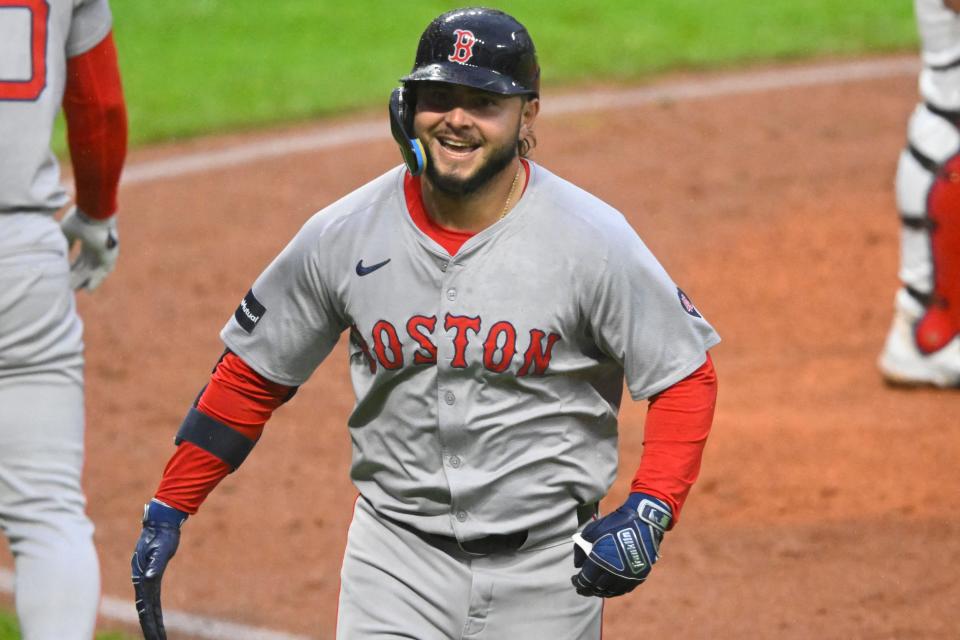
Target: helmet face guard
[480, 48]
[401, 126]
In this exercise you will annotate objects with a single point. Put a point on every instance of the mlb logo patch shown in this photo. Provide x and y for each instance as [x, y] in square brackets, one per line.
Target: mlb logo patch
[686, 304]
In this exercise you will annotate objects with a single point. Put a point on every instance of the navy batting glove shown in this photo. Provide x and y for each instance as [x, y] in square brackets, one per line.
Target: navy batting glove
[616, 552]
[157, 544]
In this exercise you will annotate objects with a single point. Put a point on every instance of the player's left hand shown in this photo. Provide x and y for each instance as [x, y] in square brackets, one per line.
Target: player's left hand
[616, 552]
[99, 247]
[157, 544]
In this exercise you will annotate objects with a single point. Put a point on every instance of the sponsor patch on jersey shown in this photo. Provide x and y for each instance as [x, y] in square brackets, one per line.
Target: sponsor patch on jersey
[687, 305]
[249, 312]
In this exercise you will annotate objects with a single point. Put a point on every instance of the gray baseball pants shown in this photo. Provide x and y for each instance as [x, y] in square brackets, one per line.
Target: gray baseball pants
[41, 434]
[397, 584]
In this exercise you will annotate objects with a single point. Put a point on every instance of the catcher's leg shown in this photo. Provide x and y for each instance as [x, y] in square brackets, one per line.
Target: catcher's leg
[57, 586]
[923, 346]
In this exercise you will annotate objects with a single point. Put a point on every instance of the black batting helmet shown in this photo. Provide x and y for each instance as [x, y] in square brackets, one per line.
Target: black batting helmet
[480, 48]
[476, 47]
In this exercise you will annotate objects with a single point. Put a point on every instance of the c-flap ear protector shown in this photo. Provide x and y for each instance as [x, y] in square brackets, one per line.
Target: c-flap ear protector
[401, 125]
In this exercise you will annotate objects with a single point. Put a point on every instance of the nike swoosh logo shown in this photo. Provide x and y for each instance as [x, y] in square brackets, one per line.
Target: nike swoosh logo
[362, 270]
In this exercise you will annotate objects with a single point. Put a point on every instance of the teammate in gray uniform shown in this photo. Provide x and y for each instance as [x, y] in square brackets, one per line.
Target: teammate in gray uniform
[923, 344]
[53, 53]
[495, 311]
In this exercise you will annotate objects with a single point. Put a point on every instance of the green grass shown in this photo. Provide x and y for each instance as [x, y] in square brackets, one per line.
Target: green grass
[9, 630]
[199, 66]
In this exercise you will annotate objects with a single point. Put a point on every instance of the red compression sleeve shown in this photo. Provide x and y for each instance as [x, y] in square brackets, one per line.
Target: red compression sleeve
[96, 127]
[675, 433]
[189, 477]
[240, 398]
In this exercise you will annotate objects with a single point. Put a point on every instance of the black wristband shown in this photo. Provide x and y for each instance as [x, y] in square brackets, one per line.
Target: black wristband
[214, 437]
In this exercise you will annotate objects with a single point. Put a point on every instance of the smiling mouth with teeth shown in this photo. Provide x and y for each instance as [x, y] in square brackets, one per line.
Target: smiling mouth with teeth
[457, 145]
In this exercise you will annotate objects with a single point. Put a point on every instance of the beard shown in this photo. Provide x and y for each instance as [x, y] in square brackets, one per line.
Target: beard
[458, 187]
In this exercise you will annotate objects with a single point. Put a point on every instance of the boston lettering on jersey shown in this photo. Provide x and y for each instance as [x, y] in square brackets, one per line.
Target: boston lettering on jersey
[500, 343]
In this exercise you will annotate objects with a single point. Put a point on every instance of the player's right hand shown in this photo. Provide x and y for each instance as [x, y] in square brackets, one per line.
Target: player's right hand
[157, 544]
[99, 248]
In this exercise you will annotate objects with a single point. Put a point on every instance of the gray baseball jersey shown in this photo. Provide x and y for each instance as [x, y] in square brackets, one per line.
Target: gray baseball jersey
[42, 506]
[487, 384]
[36, 38]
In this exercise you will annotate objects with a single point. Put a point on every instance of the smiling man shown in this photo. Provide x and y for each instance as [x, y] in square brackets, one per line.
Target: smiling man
[495, 311]
[471, 140]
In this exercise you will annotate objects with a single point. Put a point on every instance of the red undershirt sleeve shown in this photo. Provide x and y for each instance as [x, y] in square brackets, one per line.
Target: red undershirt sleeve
[96, 118]
[236, 396]
[675, 433]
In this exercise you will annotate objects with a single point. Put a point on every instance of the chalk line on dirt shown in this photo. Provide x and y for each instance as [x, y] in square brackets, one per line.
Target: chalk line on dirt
[338, 136]
[176, 621]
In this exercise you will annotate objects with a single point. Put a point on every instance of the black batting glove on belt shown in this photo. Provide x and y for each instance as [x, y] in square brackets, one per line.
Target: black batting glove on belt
[157, 544]
[616, 552]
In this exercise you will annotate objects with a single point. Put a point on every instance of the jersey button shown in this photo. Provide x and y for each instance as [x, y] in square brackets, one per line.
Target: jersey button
[451, 294]
[455, 462]
[443, 266]
[461, 515]
[449, 398]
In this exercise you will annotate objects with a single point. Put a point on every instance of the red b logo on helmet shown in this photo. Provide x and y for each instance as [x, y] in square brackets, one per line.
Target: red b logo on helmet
[463, 47]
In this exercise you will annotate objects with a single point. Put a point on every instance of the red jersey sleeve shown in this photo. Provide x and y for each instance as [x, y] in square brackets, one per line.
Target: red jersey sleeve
[236, 396]
[96, 127]
[678, 423]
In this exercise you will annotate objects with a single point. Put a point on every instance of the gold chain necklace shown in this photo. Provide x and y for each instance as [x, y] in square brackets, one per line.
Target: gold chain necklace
[513, 187]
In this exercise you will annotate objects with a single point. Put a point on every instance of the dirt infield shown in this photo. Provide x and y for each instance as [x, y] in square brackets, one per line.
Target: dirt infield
[828, 504]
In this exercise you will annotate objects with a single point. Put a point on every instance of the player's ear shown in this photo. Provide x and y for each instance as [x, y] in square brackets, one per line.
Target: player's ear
[528, 114]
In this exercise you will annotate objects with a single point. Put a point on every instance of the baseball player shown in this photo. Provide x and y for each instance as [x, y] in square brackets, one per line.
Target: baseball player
[494, 312]
[923, 345]
[52, 53]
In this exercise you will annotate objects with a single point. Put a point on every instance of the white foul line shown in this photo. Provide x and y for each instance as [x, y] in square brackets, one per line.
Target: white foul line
[333, 137]
[186, 623]
[339, 136]
[746, 82]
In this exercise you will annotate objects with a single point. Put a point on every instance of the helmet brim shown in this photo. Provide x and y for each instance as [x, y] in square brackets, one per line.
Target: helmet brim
[470, 76]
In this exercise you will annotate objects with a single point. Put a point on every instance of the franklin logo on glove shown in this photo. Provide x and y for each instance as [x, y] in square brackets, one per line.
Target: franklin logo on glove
[628, 542]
